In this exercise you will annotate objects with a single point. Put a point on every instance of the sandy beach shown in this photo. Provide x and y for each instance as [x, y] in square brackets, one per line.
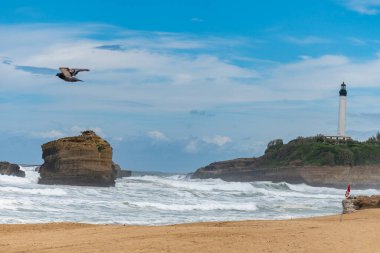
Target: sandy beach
[357, 232]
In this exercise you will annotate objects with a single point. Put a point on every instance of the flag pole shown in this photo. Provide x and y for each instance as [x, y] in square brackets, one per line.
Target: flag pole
[346, 195]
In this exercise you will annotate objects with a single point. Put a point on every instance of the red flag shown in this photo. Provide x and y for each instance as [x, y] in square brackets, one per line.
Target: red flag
[348, 191]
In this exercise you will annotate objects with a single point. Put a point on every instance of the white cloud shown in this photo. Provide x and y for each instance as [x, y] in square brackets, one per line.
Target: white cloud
[217, 140]
[367, 7]
[197, 20]
[98, 131]
[150, 75]
[192, 147]
[308, 40]
[155, 78]
[52, 134]
[324, 73]
[58, 133]
[357, 41]
[118, 138]
[157, 135]
[195, 145]
[77, 129]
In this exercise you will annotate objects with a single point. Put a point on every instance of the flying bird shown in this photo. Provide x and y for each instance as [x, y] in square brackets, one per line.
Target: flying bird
[68, 74]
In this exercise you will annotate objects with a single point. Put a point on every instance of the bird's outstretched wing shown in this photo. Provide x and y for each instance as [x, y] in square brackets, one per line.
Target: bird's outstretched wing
[74, 72]
[65, 71]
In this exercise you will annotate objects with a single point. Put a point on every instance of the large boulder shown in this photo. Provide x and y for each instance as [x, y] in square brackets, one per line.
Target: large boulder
[84, 160]
[11, 169]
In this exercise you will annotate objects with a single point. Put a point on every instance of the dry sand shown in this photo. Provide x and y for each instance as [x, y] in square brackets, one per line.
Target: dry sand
[358, 232]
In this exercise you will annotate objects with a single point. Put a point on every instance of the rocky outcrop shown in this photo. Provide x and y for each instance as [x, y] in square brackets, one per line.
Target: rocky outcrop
[11, 169]
[354, 203]
[80, 160]
[124, 173]
[247, 169]
[316, 161]
[348, 206]
[120, 173]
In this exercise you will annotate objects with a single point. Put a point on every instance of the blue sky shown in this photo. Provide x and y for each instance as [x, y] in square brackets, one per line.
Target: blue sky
[176, 85]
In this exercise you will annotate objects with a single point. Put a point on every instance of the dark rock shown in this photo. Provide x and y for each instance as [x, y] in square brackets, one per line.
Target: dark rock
[125, 173]
[80, 160]
[120, 173]
[11, 169]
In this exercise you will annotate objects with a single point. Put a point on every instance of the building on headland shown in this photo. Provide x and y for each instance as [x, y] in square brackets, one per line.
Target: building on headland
[342, 110]
[342, 115]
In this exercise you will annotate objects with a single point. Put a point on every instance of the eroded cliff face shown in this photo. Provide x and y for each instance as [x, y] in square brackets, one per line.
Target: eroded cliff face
[11, 169]
[80, 160]
[247, 170]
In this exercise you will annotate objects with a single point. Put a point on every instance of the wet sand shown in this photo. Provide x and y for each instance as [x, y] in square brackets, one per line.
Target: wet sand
[358, 232]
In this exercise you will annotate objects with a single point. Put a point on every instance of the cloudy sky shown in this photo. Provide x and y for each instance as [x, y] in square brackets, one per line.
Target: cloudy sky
[176, 85]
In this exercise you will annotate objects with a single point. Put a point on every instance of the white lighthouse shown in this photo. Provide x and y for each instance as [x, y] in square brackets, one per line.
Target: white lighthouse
[342, 110]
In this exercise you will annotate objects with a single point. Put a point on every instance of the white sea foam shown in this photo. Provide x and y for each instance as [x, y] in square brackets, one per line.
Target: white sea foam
[198, 207]
[8, 204]
[31, 174]
[12, 180]
[154, 200]
[47, 191]
[199, 185]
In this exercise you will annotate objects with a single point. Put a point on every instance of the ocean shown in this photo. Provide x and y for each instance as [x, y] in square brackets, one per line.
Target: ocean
[162, 200]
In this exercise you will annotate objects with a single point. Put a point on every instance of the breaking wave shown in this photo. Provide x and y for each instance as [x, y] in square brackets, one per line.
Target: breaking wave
[157, 200]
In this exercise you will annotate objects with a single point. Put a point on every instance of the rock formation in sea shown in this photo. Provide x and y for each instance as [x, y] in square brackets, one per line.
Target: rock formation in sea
[84, 160]
[11, 169]
[120, 173]
[353, 203]
[315, 161]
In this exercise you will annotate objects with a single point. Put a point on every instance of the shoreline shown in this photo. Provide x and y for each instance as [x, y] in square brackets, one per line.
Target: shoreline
[357, 232]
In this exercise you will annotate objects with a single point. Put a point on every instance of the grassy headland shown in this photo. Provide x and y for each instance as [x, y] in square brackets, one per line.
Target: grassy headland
[319, 150]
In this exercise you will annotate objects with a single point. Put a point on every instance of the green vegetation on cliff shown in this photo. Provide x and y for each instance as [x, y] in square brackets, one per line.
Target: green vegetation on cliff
[319, 150]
